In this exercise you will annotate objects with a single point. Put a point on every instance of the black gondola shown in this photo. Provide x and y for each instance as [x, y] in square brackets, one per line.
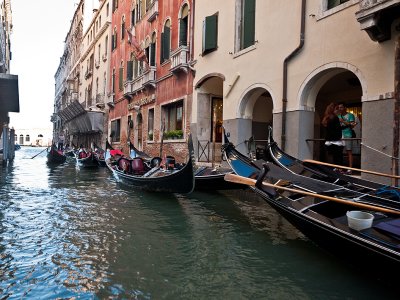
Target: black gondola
[55, 156]
[99, 155]
[171, 179]
[207, 178]
[324, 221]
[296, 166]
[86, 159]
[212, 179]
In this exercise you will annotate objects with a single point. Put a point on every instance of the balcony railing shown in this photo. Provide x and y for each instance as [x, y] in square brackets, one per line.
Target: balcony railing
[146, 80]
[152, 10]
[179, 59]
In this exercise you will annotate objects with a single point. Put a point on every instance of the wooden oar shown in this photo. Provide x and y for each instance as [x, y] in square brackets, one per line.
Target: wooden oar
[249, 181]
[39, 153]
[348, 168]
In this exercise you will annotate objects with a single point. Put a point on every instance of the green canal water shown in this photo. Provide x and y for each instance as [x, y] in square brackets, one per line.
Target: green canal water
[70, 233]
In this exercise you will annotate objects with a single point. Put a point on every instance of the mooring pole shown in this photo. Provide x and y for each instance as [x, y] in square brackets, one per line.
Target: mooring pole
[396, 117]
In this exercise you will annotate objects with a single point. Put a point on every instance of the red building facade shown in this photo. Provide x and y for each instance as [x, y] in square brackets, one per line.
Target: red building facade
[152, 79]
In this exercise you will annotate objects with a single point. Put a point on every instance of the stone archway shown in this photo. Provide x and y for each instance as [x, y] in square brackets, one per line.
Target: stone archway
[256, 114]
[208, 118]
[335, 82]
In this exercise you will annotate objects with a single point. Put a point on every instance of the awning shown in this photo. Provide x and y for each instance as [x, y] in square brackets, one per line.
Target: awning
[79, 121]
[9, 95]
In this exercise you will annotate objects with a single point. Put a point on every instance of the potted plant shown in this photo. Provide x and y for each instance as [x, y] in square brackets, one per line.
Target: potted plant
[150, 136]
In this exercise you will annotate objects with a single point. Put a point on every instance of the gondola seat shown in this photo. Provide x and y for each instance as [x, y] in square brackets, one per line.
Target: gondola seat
[137, 166]
[82, 154]
[124, 165]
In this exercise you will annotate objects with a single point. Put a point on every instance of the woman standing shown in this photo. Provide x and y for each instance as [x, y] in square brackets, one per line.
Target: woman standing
[333, 137]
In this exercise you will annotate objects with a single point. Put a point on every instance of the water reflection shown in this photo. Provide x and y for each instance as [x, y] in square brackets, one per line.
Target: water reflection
[77, 233]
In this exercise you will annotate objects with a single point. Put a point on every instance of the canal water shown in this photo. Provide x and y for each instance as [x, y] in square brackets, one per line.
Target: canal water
[75, 233]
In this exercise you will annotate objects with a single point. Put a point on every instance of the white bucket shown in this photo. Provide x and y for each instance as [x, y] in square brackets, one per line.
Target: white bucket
[359, 220]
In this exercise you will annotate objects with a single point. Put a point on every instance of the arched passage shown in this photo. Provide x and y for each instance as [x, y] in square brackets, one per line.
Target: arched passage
[256, 112]
[208, 137]
[338, 82]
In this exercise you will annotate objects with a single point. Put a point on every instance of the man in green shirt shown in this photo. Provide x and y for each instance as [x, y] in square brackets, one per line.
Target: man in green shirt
[347, 121]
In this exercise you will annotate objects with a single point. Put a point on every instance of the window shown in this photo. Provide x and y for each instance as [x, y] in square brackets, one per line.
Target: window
[114, 39]
[173, 116]
[115, 130]
[334, 3]
[121, 78]
[165, 41]
[123, 28]
[210, 34]
[133, 17]
[21, 139]
[114, 5]
[129, 70]
[106, 45]
[247, 23]
[183, 26]
[113, 81]
[27, 138]
[152, 59]
[150, 124]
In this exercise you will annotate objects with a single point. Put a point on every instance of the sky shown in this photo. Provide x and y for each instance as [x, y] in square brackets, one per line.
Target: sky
[37, 43]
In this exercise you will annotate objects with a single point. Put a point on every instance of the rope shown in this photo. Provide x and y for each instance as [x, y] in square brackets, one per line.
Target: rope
[369, 147]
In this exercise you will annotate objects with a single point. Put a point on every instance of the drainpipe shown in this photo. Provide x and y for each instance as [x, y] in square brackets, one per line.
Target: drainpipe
[285, 66]
[396, 121]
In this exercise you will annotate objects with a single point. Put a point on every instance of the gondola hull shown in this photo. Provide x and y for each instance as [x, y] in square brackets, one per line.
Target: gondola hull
[87, 162]
[323, 221]
[55, 157]
[181, 181]
[210, 180]
[158, 179]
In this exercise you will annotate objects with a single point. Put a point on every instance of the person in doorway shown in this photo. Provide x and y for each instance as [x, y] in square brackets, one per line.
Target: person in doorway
[347, 122]
[333, 134]
[61, 140]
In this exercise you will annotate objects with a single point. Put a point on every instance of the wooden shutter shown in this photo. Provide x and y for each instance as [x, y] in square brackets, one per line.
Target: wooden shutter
[183, 32]
[129, 70]
[121, 79]
[153, 54]
[167, 41]
[210, 33]
[249, 19]
[162, 48]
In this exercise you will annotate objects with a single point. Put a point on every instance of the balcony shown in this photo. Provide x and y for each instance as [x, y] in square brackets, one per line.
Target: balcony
[179, 60]
[145, 81]
[376, 17]
[149, 78]
[152, 10]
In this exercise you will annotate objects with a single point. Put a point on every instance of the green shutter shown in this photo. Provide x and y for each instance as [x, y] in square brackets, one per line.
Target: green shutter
[167, 41]
[135, 68]
[210, 33]
[152, 54]
[249, 19]
[113, 82]
[162, 48]
[121, 79]
[183, 32]
[129, 69]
